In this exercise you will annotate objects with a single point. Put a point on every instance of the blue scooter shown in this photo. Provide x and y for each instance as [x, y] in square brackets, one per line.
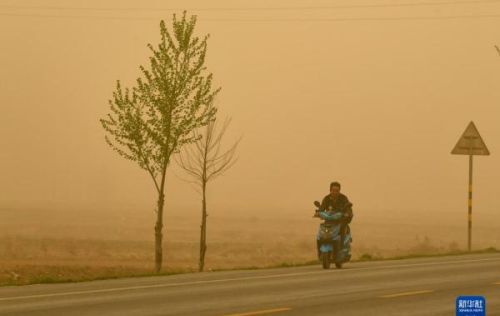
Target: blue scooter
[332, 247]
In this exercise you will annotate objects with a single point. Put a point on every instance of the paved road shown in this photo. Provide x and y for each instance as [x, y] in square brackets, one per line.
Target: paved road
[402, 287]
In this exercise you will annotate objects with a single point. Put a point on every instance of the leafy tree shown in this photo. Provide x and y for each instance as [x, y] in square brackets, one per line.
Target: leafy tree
[152, 120]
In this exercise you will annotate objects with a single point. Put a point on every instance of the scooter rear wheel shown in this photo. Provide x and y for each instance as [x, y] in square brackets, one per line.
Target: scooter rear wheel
[338, 265]
[325, 259]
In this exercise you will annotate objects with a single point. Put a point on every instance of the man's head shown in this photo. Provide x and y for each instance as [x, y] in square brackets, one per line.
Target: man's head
[335, 189]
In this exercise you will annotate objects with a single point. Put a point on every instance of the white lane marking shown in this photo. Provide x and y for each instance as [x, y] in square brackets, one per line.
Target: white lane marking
[262, 277]
[407, 293]
[268, 311]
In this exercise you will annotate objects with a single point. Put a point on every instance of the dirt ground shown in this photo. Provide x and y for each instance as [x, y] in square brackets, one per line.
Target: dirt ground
[48, 245]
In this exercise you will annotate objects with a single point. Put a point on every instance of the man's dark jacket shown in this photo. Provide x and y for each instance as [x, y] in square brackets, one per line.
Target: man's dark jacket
[340, 204]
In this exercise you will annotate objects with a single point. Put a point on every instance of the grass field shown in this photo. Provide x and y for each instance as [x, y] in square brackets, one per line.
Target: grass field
[54, 247]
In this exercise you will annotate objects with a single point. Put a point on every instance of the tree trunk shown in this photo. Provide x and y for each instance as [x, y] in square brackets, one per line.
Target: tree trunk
[203, 231]
[158, 233]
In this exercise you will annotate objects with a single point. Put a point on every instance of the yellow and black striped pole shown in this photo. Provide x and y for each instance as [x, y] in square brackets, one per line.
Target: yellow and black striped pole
[470, 204]
[470, 144]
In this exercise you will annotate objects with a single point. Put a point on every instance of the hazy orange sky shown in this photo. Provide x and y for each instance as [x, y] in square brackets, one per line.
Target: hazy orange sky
[376, 104]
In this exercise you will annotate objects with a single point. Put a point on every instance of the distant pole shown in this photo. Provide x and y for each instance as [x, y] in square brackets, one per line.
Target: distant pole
[470, 144]
[469, 243]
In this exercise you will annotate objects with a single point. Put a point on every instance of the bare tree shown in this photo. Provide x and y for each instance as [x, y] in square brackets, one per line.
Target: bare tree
[151, 121]
[203, 161]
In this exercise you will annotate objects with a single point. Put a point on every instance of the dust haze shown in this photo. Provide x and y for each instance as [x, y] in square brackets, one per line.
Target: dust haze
[374, 104]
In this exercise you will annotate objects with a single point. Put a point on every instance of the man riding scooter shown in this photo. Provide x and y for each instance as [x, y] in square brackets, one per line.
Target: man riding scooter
[336, 201]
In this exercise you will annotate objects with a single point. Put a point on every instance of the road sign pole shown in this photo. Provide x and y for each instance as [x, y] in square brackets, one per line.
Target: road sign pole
[470, 144]
[470, 203]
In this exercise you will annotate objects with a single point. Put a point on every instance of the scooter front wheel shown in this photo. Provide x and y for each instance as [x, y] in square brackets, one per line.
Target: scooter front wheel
[325, 259]
[338, 265]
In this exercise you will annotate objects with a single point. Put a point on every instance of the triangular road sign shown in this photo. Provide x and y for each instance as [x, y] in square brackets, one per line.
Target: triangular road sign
[471, 143]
